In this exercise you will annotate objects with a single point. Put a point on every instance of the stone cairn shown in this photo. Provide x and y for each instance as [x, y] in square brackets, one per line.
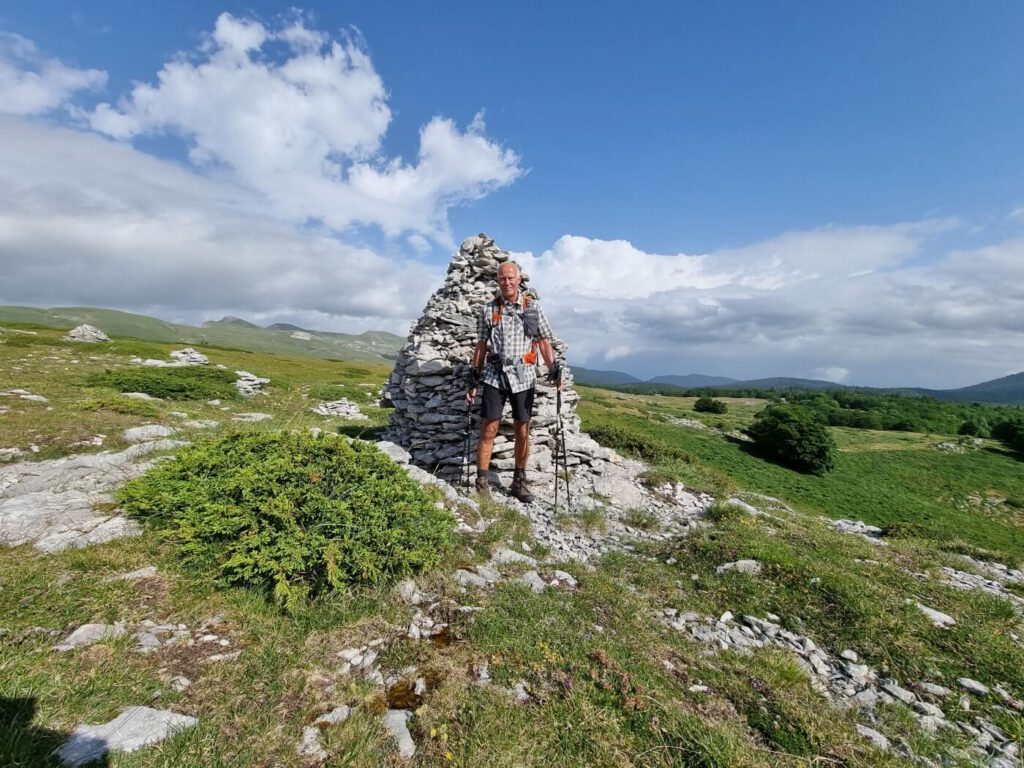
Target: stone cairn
[428, 385]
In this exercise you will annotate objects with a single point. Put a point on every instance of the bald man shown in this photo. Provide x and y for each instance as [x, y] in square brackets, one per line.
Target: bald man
[512, 328]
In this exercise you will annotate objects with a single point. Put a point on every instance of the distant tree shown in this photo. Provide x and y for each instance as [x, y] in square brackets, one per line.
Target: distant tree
[1010, 431]
[707, 405]
[792, 436]
[975, 426]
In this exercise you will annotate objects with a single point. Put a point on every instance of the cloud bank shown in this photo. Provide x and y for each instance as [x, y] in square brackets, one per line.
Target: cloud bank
[858, 305]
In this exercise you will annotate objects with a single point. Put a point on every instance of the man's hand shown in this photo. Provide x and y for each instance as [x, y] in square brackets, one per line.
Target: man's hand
[555, 376]
[470, 394]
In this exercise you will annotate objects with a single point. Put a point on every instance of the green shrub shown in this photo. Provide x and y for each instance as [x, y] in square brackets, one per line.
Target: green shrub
[643, 519]
[635, 443]
[789, 435]
[905, 529]
[974, 426]
[290, 513]
[194, 382]
[708, 405]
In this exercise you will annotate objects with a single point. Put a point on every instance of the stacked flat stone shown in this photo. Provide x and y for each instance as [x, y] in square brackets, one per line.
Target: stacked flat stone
[344, 408]
[428, 384]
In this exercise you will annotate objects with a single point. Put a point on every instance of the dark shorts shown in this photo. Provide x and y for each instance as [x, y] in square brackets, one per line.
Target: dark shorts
[493, 403]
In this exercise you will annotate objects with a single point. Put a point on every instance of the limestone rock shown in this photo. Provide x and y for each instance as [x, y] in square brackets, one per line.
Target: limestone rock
[147, 432]
[395, 721]
[56, 504]
[344, 408]
[87, 634]
[751, 567]
[189, 356]
[249, 384]
[87, 333]
[938, 618]
[134, 728]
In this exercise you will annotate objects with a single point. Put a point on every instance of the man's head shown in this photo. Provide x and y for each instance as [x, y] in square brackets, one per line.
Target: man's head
[509, 279]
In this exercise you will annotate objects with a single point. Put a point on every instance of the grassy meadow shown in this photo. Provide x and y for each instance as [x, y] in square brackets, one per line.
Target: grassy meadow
[608, 683]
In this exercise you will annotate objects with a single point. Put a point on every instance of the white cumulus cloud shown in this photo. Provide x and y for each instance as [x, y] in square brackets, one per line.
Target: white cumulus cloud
[305, 130]
[853, 304]
[32, 84]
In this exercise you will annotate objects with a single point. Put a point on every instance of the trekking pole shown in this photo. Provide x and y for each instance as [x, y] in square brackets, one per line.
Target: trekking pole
[465, 451]
[565, 453]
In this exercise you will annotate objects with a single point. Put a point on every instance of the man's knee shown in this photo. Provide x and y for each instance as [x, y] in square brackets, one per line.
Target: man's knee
[489, 429]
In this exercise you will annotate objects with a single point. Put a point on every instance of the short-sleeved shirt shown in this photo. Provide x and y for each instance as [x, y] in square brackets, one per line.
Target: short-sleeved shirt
[508, 339]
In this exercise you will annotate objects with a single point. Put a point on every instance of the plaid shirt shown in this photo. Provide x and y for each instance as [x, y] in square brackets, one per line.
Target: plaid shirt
[507, 339]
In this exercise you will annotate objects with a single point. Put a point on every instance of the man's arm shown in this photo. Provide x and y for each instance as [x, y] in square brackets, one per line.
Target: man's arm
[479, 357]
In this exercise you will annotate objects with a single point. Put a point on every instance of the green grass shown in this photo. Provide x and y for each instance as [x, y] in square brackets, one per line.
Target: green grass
[881, 478]
[609, 684]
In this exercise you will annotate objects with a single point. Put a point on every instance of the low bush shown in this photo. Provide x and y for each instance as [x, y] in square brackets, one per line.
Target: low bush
[791, 436]
[636, 443]
[290, 513]
[194, 382]
[709, 405]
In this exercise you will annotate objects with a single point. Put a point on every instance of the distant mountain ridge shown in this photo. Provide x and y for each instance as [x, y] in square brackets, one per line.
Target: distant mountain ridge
[1007, 390]
[381, 347]
[377, 347]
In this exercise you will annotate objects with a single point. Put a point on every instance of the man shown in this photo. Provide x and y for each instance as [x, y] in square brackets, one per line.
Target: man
[514, 328]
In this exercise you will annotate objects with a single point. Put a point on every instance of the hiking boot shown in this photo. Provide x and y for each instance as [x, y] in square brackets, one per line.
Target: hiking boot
[483, 487]
[520, 489]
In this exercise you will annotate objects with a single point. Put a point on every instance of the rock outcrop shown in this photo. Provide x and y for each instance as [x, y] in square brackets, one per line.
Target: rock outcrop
[87, 333]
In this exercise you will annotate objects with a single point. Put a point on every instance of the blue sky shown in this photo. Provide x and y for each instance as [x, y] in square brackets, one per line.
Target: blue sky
[745, 189]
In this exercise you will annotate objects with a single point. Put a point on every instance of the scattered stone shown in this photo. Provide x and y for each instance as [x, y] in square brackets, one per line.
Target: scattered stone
[134, 728]
[395, 720]
[249, 384]
[200, 423]
[189, 356]
[343, 408]
[251, 417]
[310, 746]
[336, 716]
[698, 689]
[849, 656]
[870, 533]
[470, 579]
[217, 657]
[938, 691]
[86, 333]
[973, 686]
[35, 398]
[180, 683]
[561, 578]
[751, 567]
[146, 572]
[938, 618]
[532, 580]
[876, 738]
[139, 396]
[504, 555]
[87, 634]
[147, 432]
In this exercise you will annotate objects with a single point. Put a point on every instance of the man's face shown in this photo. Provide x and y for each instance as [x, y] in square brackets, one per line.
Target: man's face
[508, 281]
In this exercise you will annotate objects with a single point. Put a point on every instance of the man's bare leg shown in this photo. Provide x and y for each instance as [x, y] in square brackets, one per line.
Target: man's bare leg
[484, 448]
[520, 489]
